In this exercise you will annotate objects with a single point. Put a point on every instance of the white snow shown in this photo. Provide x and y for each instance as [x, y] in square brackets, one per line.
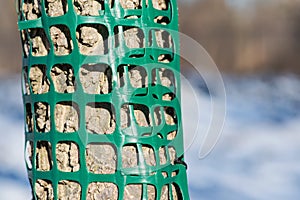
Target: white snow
[257, 156]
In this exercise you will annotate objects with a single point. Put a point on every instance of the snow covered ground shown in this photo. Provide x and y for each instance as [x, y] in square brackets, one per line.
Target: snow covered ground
[257, 156]
[13, 175]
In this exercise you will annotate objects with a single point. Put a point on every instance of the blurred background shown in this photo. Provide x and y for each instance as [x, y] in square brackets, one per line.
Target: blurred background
[246, 36]
[256, 46]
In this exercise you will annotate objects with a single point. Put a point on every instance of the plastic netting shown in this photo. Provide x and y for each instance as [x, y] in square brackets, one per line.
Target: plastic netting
[102, 99]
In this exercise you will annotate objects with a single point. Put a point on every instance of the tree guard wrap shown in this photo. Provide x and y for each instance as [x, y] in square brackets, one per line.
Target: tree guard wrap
[101, 91]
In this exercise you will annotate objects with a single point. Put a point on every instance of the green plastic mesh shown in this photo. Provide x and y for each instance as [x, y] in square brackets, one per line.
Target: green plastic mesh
[102, 99]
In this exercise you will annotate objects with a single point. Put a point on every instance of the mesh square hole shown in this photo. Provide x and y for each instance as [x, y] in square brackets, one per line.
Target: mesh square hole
[157, 115]
[170, 116]
[29, 126]
[67, 156]
[164, 195]
[151, 192]
[168, 97]
[88, 8]
[172, 154]
[131, 4]
[43, 156]
[92, 39]
[162, 155]
[162, 38]
[55, 8]
[40, 44]
[31, 9]
[165, 58]
[25, 83]
[102, 190]
[125, 116]
[39, 82]
[163, 20]
[25, 43]
[137, 75]
[175, 173]
[132, 16]
[166, 77]
[68, 190]
[149, 155]
[133, 192]
[160, 4]
[44, 190]
[67, 117]
[101, 158]
[63, 78]
[172, 135]
[141, 114]
[96, 78]
[100, 118]
[164, 174]
[129, 156]
[42, 117]
[176, 192]
[29, 154]
[61, 39]
[132, 36]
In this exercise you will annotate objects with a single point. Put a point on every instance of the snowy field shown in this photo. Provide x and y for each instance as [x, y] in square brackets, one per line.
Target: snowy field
[257, 156]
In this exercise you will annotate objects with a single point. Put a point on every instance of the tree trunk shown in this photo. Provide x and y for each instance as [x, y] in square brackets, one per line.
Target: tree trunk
[98, 125]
